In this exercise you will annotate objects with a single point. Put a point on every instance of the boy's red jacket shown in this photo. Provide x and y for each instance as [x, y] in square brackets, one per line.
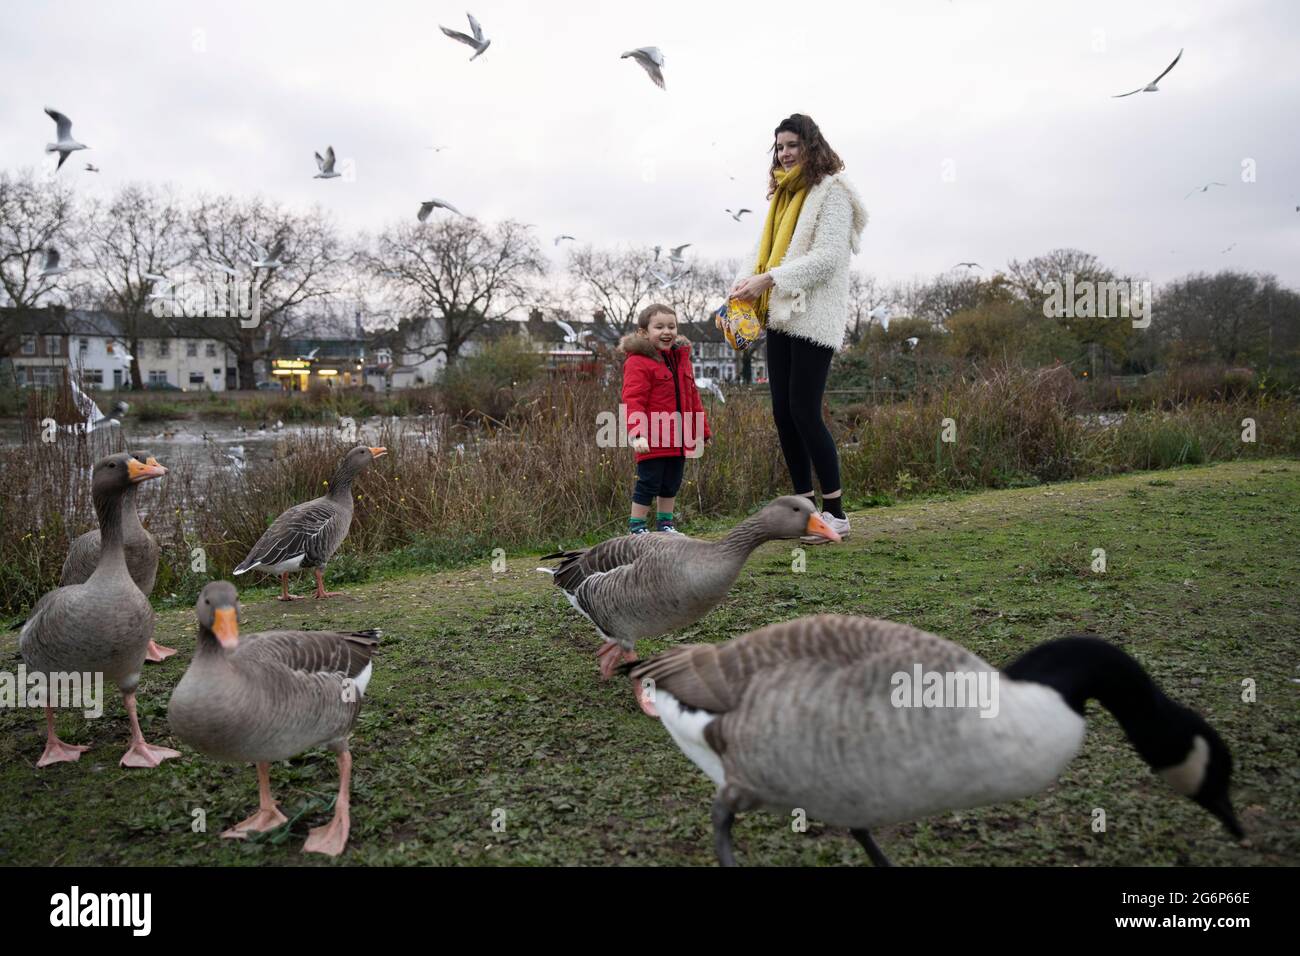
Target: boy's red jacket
[663, 381]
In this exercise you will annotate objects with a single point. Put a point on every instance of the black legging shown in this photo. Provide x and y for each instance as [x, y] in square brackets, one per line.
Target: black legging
[796, 373]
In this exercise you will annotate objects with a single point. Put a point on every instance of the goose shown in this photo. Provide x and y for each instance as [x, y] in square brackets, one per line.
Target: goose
[258, 698]
[307, 535]
[822, 713]
[644, 585]
[141, 556]
[102, 626]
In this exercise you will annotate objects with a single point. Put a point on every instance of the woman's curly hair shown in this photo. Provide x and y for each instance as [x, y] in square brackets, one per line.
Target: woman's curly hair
[819, 160]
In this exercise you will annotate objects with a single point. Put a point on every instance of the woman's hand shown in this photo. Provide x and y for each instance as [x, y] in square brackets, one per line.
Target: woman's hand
[640, 445]
[749, 289]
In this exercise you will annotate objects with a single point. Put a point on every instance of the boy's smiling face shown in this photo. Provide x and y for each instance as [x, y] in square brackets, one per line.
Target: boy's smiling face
[662, 330]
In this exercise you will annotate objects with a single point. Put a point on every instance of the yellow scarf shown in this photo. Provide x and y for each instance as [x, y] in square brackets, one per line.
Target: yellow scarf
[782, 216]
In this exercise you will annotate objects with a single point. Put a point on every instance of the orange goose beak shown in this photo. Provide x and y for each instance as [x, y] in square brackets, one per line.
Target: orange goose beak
[819, 527]
[225, 624]
[379, 452]
[143, 471]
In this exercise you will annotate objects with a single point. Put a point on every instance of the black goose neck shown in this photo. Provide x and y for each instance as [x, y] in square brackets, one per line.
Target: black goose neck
[1081, 668]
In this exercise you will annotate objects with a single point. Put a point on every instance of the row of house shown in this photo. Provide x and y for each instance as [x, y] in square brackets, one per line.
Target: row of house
[38, 345]
[180, 353]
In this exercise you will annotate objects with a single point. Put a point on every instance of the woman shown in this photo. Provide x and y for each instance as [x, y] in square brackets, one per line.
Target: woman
[798, 275]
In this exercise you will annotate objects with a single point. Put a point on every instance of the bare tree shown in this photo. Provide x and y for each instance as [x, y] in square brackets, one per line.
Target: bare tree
[222, 231]
[141, 232]
[34, 215]
[617, 283]
[451, 278]
[1231, 316]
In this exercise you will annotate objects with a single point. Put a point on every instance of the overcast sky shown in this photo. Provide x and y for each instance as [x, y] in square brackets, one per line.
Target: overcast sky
[1012, 99]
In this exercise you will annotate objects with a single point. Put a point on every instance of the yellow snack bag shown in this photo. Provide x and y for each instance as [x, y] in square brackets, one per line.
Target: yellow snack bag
[740, 324]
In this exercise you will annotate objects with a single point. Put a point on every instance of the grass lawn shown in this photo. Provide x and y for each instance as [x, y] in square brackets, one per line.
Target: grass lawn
[485, 698]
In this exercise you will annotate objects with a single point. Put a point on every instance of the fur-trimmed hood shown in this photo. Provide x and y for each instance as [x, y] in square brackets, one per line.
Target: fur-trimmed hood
[636, 344]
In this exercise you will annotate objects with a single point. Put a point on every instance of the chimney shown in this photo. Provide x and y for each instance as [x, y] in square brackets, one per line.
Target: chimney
[535, 327]
[599, 317]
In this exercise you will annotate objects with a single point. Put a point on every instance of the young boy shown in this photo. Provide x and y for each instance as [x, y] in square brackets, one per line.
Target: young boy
[666, 420]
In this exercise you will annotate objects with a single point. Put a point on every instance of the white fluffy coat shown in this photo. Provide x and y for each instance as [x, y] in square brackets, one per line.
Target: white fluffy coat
[810, 298]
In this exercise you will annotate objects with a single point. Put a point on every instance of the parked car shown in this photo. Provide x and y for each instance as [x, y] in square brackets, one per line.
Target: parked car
[161, 387]
[269, 387]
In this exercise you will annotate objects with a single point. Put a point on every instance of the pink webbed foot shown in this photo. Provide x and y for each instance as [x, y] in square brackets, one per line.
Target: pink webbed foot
[156, 653]
[290, 597]
[328, 594]
[143, 755]
[330, 839]
[610, 656]
[56, 751]
[267, 818]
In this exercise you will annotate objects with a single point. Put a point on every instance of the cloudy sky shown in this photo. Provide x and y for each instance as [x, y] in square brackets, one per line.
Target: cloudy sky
[974, 129]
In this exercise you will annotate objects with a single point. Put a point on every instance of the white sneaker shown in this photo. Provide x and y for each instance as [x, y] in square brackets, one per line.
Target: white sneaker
[839, 525]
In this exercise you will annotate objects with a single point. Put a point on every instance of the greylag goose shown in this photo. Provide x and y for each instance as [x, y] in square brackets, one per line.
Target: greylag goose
[141, 557]
[102, 626]
[863, 722]
[307, 535]
[644, 585]
[257, 698]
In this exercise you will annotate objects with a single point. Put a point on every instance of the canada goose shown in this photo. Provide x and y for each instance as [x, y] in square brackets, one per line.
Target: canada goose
[307, 535]
[102, 626]
[643, 585]
[141, 556]
[826, 714]
[257, 698]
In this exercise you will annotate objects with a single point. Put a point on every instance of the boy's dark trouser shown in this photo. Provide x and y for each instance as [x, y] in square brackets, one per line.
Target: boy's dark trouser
[658, 478]
[796, 375]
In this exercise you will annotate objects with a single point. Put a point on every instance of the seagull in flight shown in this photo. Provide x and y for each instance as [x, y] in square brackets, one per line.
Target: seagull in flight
[651, 60]
[326, 165]
[91, 168]
[1229, 249]
[968, 265]
[570, 334]
[477, 41]
[52, 267]
[667, 282]
[1201, 189]
[1151, 87]
[221, 266]
[559, 239]
[738, 213]
[429, 205]
[263, 261]
[66, 145]
[706, 384]
[675, 255]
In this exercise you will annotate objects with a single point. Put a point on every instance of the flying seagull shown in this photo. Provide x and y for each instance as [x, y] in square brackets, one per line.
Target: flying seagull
[559, 239]
[738, 213]
[91, 168]
[326, 165]
[676, 253]
[651, 60]
[263, 261]
[52, 267]
[429, 205]
[222, 267]
[705, 384]
[968, 265]
[1229, 249]
[1201, 189]
[1151, 87]
[66, 144]
[667, 282]
[570, 334]
[477, 41]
